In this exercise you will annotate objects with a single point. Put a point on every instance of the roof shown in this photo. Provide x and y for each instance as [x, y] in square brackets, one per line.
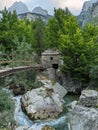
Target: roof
[50, 52]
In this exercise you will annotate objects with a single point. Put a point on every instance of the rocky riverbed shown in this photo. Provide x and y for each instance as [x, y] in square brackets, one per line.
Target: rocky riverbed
[43, 105]
[83, 113]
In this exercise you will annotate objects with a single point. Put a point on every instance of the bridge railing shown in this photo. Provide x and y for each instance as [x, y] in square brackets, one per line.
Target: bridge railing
[9, 61]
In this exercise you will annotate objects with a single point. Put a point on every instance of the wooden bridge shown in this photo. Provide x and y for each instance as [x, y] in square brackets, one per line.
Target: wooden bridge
[5, 71]
[9, 71]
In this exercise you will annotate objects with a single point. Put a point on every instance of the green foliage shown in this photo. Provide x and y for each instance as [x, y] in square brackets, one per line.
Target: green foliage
[39, 36]
[23, 55]
[26, 79]
[6, 109]
[93, 74]
[7, 32]
[77, 46]
[62, 22]
[77, 53]
[5, 101]
[11, 27]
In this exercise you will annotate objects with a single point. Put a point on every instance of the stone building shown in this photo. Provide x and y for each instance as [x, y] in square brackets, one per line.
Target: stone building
[51, 59]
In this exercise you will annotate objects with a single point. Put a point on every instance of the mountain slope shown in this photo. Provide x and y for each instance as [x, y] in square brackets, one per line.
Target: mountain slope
[39, 10]
[19, 7]
[89, 13]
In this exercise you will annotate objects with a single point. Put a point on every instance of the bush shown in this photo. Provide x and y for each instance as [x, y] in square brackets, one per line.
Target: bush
[6, 109]
[5, 101]
[93, 74]
[27, 79]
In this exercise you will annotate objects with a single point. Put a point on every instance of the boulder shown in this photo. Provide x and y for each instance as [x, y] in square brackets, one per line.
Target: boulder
[47, 127]
[18, 89]
[57, 88]
[84, 113]
[84, 118]
[22, 128]
[42, 103]
[89, 98]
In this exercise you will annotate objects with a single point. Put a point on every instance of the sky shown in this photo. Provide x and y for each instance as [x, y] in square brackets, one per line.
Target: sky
[74, 6]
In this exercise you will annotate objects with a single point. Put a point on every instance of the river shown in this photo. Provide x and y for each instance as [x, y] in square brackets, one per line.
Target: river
[58, 124]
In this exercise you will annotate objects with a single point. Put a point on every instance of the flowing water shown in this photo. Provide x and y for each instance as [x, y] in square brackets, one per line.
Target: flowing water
[23, 120]
[79, 119]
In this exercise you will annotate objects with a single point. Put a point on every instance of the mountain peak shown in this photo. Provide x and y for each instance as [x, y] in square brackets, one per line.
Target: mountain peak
[89, 13]
[20, 7]
[39, 10]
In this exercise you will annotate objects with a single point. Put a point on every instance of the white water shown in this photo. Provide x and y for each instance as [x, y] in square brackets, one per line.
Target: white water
[23, 120]
[19, 116]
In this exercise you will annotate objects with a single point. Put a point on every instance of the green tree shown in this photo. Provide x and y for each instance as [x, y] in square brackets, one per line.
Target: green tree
[77, 50]
[11, 26]
[56, 26]
[6, 29]
[39, 36]
[23, 52]
[77, 46]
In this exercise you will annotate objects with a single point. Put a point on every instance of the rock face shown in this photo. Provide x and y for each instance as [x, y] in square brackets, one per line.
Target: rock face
[23, 12]
[71, 85]
[42, 103]
[18, 89]
[32, 16]
[89, 98]
[84, 118]
[84, 113]
[89, 12]
[22, 128]
[47, 128]
[50, 73]
[39, 10]
[19, 7]
[57, 88]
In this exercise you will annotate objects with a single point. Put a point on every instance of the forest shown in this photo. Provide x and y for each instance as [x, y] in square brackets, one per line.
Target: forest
[77, 45]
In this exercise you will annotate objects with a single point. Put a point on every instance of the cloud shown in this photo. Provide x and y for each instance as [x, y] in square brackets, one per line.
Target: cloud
[2, 2]
[73, 5]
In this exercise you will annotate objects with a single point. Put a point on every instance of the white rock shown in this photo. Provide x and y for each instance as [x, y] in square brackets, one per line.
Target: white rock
[42, 103]
[59, 90]
[89, 98]
[89, 93]
[83, 118]
[22, 128]
[56, 87]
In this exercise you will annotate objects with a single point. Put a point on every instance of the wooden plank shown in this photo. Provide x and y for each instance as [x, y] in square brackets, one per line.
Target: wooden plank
[8, 71]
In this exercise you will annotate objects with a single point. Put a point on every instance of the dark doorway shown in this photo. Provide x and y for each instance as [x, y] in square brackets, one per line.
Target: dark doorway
[51, 58]
[55, 66]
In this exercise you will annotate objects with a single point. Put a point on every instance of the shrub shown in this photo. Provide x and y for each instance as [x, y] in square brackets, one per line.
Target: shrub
[6, 109]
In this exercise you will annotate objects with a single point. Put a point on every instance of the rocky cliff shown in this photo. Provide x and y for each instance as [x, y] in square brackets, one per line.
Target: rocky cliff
[39, 10]
[23, 12]
[19, 7]
[89, 13]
